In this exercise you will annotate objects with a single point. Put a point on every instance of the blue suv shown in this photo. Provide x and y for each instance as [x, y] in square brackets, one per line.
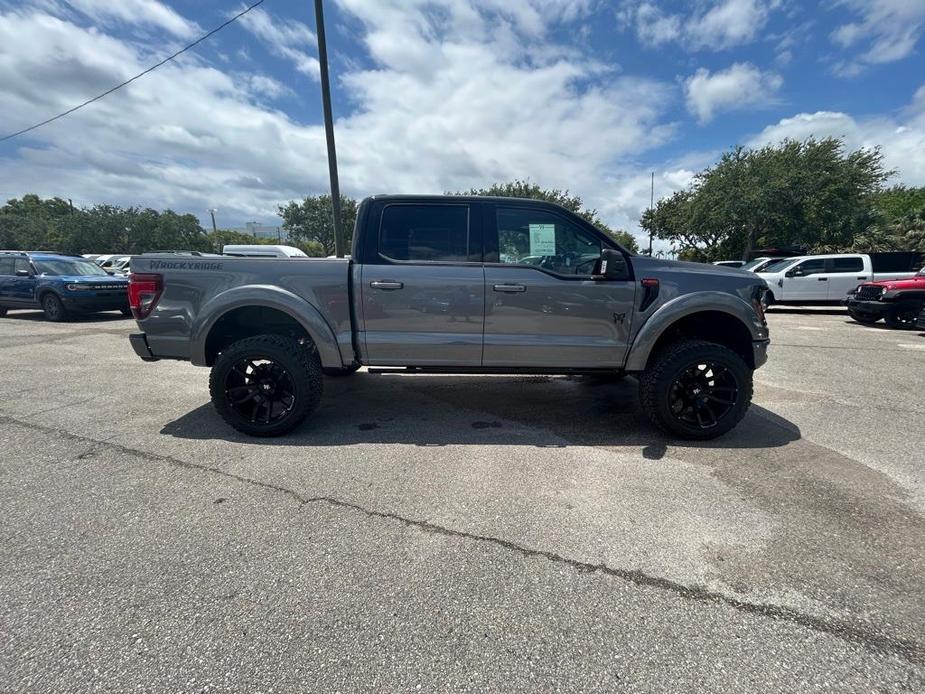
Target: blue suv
[60, 285]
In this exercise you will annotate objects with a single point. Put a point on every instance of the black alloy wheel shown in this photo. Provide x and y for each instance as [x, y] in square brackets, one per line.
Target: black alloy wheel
[260, 390]
[266, 385]
[694, 389]
[703, 394]
[902, 317]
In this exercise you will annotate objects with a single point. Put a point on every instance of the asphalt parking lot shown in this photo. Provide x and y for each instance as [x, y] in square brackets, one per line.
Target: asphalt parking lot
[441, 533]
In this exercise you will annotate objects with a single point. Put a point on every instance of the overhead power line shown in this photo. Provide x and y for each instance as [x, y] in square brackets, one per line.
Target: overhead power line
[132, 79]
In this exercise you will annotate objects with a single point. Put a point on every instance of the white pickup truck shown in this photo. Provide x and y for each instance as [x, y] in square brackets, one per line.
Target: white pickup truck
[826, 279]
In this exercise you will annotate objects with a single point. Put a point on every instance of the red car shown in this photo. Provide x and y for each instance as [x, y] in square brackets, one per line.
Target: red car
[898, 302]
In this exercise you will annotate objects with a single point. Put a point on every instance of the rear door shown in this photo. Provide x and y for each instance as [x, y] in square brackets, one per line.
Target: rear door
[806, 281]
[422, 285]
[543, 307]
[22, 288]
[844, 274]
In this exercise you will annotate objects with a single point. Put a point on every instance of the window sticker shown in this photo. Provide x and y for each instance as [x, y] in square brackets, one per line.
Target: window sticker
[542, 239]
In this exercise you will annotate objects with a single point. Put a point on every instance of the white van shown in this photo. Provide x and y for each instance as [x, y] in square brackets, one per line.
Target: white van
[818, 279]
[261, 251]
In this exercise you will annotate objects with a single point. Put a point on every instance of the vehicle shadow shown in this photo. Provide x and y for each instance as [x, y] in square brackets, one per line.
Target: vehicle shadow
[807, 311]
[39, 317]
[541, 411]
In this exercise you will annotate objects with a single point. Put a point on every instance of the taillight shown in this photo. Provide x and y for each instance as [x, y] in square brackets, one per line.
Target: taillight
[144, 290]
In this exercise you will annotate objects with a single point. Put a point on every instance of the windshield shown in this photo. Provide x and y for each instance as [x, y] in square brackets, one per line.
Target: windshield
[778, 265]
[752, 264]
[68, 267]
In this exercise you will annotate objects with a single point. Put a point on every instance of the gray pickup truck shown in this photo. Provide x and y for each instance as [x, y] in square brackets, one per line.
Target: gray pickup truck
[457, 285]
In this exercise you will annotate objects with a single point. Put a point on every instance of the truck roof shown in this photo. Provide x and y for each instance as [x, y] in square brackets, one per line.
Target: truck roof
[465, 198]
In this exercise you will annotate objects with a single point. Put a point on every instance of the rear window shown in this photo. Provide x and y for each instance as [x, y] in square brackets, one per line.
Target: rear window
[425, 233]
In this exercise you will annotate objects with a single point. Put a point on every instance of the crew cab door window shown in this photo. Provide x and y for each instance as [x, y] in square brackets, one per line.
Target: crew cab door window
[847, 265]
[547, 241]
[810, 267]
[6, 265]
[425, 233]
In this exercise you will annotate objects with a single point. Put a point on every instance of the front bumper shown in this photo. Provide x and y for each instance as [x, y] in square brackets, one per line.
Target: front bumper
[115, 301]
[139, 342]
[874, 308]
[760, 351]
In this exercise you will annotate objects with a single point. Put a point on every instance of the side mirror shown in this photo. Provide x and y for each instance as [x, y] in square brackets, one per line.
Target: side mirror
[23, 273]
[612, 266]
[796, 272]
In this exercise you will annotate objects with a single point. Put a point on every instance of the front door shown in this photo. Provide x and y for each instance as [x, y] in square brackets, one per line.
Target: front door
[806, 281]
[423, 287]
[543, 307]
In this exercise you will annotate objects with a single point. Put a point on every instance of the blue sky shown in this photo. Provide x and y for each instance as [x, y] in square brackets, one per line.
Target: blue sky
[434, 95]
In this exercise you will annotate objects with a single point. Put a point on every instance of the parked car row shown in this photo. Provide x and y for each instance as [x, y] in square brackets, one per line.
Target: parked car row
[60, 285]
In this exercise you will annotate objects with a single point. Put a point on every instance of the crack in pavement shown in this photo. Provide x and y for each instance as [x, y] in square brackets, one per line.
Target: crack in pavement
[874, 641]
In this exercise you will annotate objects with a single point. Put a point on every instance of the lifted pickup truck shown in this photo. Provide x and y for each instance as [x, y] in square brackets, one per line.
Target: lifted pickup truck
[457, 285]
[898, 302]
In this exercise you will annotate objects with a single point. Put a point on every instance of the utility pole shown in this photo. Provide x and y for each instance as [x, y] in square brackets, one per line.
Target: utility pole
[329, 129]
[651, 205]
[212, 212]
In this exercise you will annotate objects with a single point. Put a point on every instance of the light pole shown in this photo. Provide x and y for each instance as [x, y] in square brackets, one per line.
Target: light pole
[212, 212]
[651, 205]
[329, 128]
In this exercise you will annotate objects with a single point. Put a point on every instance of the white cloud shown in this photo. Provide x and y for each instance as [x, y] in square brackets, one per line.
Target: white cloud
[145, 12]
[714, 25]
[441, 105]
[885, 31]
[740, 86]
[902, 138]
[286, 39]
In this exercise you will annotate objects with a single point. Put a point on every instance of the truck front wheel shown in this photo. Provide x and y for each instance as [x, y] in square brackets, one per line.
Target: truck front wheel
[902, 317]
[266, 385]
[694, 389]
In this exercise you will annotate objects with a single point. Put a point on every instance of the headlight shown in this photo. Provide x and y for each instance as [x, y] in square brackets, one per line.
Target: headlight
[78, 287]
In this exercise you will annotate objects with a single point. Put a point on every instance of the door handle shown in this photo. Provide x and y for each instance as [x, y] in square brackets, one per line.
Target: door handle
[509, 288]
[823, 279]
[863, 278]
[387, 285]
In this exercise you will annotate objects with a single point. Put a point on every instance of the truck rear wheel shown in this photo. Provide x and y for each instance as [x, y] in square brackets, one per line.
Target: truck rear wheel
[694, 389]
[266, 385]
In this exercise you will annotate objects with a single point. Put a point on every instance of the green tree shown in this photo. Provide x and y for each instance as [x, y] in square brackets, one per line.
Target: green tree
[532, 191]
[311, 221]
[812, 194]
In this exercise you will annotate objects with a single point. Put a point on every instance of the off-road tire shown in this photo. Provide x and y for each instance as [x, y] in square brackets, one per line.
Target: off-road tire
[341, 373]
[866, 318]
[54, 308]
[669, 363]
[902, 317]
[300, 361]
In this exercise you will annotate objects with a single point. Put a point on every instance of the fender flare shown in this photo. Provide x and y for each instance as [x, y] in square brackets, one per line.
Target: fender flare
[672, 311]
[268, 296]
